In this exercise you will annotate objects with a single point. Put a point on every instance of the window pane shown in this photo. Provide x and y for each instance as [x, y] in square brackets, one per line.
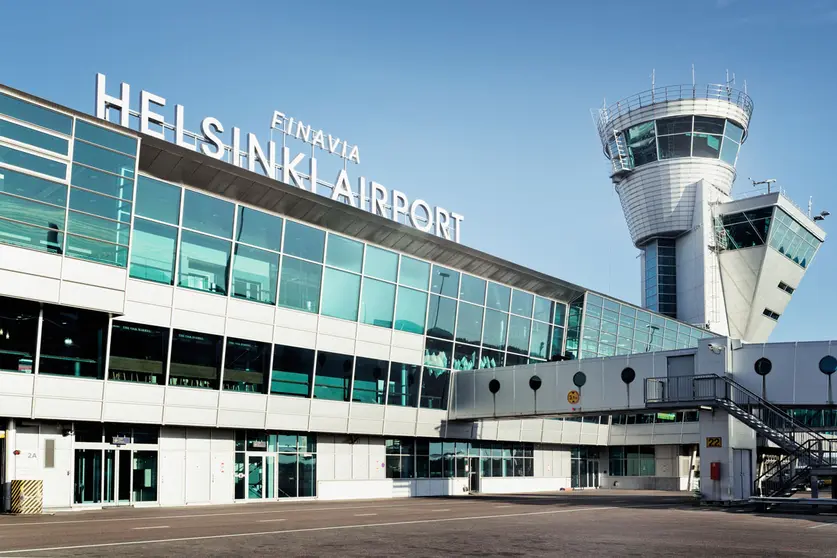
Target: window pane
[540, 340]
[381, 264]
[204, 263]
[246, 365]
[299, 286]
[706, 145]
[25, 211]
[403, 385]
[729, 151]
[515, 360]
[434, 389]
[73, 342]
[672, 147]
[303, 241]
[444, 281]
[498, 297]
[676, 125]
[40, 116]
[96, 251]
[370, 378]
[32, 162]
[103, 206]
[522, 303]
[378, 303]
[709, 125]
[19, 323]
[138, 353]
[556, 342]
[465, 357]
[107, 138]
[472, 289]
[28, 186]
[414, 273]
[642, 144]
[441, 317]
[102, 159]
[152, 254]
[333, 377]
[195, 360]
[102, 229]
[492, 359]
[344, 253]
[438, 354]
[292, 370]
[104, 183]
[494, 332]
[207, 214]
[17, 234]
[469, 324]
[733, 131]
[255, 274]
[543, 309]
[259, 228]
[34, 137]
[410, 310]
[156, 200]
[341, 291]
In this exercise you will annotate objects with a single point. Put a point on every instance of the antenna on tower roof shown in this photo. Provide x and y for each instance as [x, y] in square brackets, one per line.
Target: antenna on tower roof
[745, 86]
[693, 75]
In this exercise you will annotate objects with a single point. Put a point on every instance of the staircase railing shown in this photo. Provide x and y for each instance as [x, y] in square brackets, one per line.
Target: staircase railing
[805, 448]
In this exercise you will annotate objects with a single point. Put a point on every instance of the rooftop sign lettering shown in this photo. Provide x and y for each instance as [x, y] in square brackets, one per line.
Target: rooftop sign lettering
[276, 161]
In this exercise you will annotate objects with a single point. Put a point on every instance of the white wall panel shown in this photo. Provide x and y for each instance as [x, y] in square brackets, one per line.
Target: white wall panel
[337, 328]
[190, 415]
[295, 337]
[372, 350]
[194, 321]
[130, 412]
[76, 409]
[249, 330]
[342, 345]
[295, 319]
[204, 303]
[250, 311]
[406, 356]
[130, 392]
[150, 293]
[92, 297]
[148, 314]
[72, 388]
[406, 340]
[93, 274]
[30, 262]
[15, 405]
[16, 383]
[33, 287]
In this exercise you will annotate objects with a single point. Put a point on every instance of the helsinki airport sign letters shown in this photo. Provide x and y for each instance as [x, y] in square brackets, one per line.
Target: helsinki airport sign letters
[377, 199]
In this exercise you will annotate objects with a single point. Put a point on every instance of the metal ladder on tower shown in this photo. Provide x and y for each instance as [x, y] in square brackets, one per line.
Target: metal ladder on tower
[619, 154]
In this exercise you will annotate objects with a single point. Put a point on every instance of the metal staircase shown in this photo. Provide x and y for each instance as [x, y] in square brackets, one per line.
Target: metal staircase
[806, 451]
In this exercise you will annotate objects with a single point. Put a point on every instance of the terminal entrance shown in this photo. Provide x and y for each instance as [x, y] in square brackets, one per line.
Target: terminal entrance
[584, 468]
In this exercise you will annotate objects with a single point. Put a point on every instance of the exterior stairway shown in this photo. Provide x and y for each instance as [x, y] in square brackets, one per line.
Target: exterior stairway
[807, 452]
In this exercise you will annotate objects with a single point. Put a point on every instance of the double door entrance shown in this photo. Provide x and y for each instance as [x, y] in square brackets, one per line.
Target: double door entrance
[585, 473]
[114, 476]
[260, 475]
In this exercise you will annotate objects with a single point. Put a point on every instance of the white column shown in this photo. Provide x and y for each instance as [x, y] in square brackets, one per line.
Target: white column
[9, 466]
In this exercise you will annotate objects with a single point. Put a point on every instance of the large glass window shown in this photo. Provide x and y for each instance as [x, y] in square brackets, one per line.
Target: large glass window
[255, 274]
[204, 262]
[103, 159]
[207, 214]
[96, 251]
[444, 281]
[641, 141]
[195, 360]
[465, 357]
[152, 255]
[434, 388]
[34, 114]
[157, 200]
[543, 309]
[495, 330]
[32, 162]
[403, 385]
[293, 368]
[101, 229]
[411, 310]
[333, 376]
[678, 145]
[441, 317]
[104, 182]
[706, 145]
[746, 229]
[27, 135]
[32, 200]
[370, 379]
[108, 138]
[299, 286]
[304, 241]
[522, 303]
[414, 273]
[344, 253]
[246, 365]
[539, 343]
[438, 354]
[498, 297]
[259, 229]
[792, 239]
[381, 264]
[138, 353]
[103, 206]
[469, 324]
[472, 289]
[341, 291]
[378, 303]
[18, 334]
[73, 342]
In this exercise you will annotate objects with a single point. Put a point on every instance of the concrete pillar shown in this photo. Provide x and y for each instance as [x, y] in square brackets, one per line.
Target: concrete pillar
[9, 466]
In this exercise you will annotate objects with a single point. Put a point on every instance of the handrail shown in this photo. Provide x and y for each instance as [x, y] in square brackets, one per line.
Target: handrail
[785, 463]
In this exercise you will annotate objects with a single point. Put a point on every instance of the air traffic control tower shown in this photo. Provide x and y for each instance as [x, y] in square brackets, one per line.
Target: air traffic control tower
[729, 265]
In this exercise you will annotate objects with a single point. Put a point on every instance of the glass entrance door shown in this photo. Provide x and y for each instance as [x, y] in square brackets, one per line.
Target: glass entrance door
[592, 474]
[255, 477]
[117, 476]
[88, 481]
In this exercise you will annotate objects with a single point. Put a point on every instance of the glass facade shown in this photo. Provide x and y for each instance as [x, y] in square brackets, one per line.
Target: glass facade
[683, 136]
[792, 240]
[418, 458]
[271, 464]
[661, 276]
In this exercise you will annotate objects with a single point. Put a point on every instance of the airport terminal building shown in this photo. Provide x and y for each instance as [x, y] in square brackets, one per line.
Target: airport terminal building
[176, 329]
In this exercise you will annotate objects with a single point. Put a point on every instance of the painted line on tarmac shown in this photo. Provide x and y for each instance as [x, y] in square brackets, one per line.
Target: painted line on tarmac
[271, 520]
[822, 525]
[505, 506]
[304, 530]
[365, 514]
[197, 515]
[151, 527]
[442, 510]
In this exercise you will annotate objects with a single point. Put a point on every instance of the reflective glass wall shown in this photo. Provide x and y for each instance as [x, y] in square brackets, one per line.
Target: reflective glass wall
[683, 136]
[661, 276]
[66, 185]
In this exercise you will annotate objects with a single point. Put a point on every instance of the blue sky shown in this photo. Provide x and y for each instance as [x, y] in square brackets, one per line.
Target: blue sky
[482, 107]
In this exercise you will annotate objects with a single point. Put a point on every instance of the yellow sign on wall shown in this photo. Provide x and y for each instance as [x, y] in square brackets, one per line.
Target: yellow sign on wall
[573, 397]
[714, 442]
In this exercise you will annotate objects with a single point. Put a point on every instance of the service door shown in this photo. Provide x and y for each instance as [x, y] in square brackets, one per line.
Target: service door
[198, 477]
[742, 479]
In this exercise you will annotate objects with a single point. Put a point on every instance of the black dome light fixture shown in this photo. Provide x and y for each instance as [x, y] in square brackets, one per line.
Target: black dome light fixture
[494, 386]
[828, 365]
[535, 382]
[763, 366]
[579, 379]
[628, 375]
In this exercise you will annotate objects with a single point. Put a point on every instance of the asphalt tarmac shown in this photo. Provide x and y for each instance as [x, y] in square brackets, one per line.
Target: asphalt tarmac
[589, 523]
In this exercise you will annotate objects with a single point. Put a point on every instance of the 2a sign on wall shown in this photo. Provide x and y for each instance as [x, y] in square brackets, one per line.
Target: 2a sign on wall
[714, 442]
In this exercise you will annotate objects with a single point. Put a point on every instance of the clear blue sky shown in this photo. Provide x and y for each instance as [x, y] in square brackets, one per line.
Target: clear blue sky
[479, 106]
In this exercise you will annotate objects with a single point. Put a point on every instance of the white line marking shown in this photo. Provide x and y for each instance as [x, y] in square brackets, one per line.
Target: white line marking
[194, 515]
[306, 530]
[364, 514]
[271, 520]
[505, 506]
[152, 527]
[442, 510]
[822, 525]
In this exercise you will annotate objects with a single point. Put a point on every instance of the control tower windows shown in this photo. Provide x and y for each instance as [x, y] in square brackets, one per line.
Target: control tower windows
[747, 229]
[661, 277]
[642, 144]
[792, 240]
